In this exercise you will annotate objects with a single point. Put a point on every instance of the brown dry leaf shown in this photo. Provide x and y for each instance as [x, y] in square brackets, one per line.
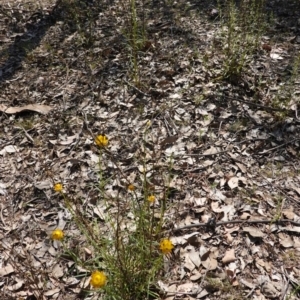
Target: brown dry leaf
[276, 56]
[267, 47]
[241, 167]
[187, 287]
[195, 276]
[227, 210]
[64, 142]
[52, 292]
[6, 270]
[290, 228]
[99, 211]
[40, 108]
[206, 115]
[254, 232]
[229, 257]
[9, 149]
[289, 213]
[4, 39]
[297, 243]
[285, 240]
[209, 261]
[217, 195]
[233, 182]
[57, 271]
[195, 258]
[188, 264]
[235, 282]
[17, 285]
[169, 140]
[202, 294]
[229, 238]
[269, 290]
[210, 151]
[248, 284]
[166, 288]
[262, 263]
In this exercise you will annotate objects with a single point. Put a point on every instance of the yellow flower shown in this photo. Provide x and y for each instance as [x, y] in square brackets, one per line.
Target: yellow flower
[166, 246]
[101, 140]
[57, 234]
[131, 187]
[58, 187]
[151, 198]
[98, 279]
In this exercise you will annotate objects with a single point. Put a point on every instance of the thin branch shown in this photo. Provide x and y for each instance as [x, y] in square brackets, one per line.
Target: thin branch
[279, 146]
[285, 289]
[256, 104]
[250, 293]
[236, 222]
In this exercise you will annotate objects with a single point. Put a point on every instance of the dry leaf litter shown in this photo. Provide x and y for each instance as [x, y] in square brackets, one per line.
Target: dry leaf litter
[226, 159]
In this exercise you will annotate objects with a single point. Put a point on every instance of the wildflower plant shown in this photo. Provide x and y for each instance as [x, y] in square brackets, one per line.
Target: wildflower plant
[132, 254]
[131, 187]
[58, 187]
[98, 279]
[151, 198]
[101, 140]
[57, 235]
[166, 246]
[126, 250]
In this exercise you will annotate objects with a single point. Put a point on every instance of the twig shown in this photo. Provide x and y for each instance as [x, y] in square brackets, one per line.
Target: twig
[210, 154]
[294, 283]
[1, 214]
[196, 169]
[285, 289]
[26, 133]
[236, 222]
[269, 150]
[250, 293]
[256, 104]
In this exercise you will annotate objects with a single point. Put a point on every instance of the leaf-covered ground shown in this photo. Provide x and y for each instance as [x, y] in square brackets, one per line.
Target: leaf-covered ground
[227, 148]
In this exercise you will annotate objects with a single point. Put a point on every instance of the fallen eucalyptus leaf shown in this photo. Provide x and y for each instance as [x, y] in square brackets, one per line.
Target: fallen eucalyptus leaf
[254, 232]
[6, 270]
[229, 257]
[40, 108]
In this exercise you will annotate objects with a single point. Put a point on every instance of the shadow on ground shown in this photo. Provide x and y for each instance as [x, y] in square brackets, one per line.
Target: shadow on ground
[36, 26]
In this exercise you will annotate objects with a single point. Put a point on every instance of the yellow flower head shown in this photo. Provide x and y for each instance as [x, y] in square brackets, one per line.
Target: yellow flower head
[98, 279]
[58, 187]
[131, 187]
[101, 140]
[166, 246]
[151, 198]
[57, 234]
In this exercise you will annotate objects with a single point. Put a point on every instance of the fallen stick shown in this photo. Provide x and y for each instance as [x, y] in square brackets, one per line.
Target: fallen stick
[211, 224]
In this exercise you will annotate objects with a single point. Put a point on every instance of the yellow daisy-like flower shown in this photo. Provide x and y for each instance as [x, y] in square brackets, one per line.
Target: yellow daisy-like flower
[98, 279]
[166, 246]
[151, 198]
[131, 187]
[58, 187]
[57, 234]
[101, 140]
